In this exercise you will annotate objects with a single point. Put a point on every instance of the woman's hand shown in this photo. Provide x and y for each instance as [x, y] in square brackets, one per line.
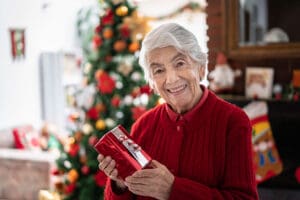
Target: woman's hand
[108, 166]
[156, 183]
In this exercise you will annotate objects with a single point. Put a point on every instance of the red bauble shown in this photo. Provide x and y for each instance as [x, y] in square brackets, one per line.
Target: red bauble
[98, 29]
[106, 84]
[70, 188]
[97, 41]
[115, 101]
[145, 89]
[100, 178]
[108, 18]
[125, 31]
[74, 150]
[85, 170]
[92, 140]
[92, 113]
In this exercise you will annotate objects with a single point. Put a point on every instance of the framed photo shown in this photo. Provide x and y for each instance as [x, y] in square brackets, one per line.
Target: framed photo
[17, 38]
[259, 82]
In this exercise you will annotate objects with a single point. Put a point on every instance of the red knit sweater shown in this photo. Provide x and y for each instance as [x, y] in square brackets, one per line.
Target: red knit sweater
[208, 149]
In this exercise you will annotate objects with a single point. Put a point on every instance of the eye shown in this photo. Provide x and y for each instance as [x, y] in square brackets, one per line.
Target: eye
[158, 71]
[180, 63]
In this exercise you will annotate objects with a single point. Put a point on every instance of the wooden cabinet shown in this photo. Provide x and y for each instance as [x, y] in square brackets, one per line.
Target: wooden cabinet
[234, 18]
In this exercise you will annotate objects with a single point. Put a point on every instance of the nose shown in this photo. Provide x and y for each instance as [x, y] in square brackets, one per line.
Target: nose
[171, 76]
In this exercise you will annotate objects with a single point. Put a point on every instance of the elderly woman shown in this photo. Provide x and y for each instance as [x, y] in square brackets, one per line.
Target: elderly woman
[200, 144]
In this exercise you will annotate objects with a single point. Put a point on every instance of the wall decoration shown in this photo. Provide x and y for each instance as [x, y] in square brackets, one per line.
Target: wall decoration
[17, 38]
[259, 82]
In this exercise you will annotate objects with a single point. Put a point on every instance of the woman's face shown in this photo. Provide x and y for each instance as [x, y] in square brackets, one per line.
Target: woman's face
[175, 78]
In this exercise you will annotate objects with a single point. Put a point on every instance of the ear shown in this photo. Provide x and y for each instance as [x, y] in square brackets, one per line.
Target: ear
[151, 84]
[201, 72]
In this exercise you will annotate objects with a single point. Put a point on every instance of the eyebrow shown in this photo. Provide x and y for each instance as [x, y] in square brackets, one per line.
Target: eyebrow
[178, 55]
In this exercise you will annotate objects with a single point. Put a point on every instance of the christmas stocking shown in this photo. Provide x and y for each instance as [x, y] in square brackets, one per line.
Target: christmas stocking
[267, 162]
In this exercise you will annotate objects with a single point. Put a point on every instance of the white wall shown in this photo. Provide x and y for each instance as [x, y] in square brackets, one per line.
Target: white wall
[48, 29]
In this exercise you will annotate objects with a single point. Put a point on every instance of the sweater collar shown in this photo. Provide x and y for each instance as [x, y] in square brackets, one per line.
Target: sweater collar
[188, 115]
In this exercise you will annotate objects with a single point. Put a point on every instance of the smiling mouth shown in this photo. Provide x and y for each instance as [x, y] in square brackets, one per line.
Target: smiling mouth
[177, 90]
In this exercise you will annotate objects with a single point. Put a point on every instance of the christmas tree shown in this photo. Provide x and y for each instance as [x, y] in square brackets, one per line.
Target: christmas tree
[114, 93]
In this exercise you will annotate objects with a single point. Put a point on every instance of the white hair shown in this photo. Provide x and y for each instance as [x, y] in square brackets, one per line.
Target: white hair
[171, 34]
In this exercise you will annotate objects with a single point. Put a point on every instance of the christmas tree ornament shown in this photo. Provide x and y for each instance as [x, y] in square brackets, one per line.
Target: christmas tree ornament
[110, 123]
[83, 159]
[124, 68]
[98, 73]
[106, 84]
[107, 33]
[119, 85]
[124, 31]
[74, 149]
[73, 176]
[120, 45]
[115, 101]
[136, 76]
[87, 129]
[87, 68]
[108, 18]
[85, 170]
[119, 115]
[78, 136]
[135, 92]
[100, 124]
[67, 164]
[97, 41]
[122, 11]
[144, 98]
[100, 107]
[128, 100]
[92, 113]
[92, 140]
[70, 188]
[134, 46]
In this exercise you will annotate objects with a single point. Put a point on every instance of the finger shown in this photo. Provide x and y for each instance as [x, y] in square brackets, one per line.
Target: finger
[114, 174]
[144, 173]
[104, 163]
[141, 189]
[100, 157]
[156, 164]
[110, 167]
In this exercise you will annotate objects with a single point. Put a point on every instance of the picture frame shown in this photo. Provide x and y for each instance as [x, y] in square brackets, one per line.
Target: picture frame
[17, 39]
[259, 82]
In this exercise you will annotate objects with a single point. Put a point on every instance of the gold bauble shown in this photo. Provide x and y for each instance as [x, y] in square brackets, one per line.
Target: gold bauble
[100, 124]
[122, 11]
[73, 175]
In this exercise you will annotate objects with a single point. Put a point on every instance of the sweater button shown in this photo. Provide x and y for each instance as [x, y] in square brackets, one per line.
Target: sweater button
[178, 128]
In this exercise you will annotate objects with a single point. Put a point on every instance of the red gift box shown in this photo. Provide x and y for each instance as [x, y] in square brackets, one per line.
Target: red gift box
[128, 155]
